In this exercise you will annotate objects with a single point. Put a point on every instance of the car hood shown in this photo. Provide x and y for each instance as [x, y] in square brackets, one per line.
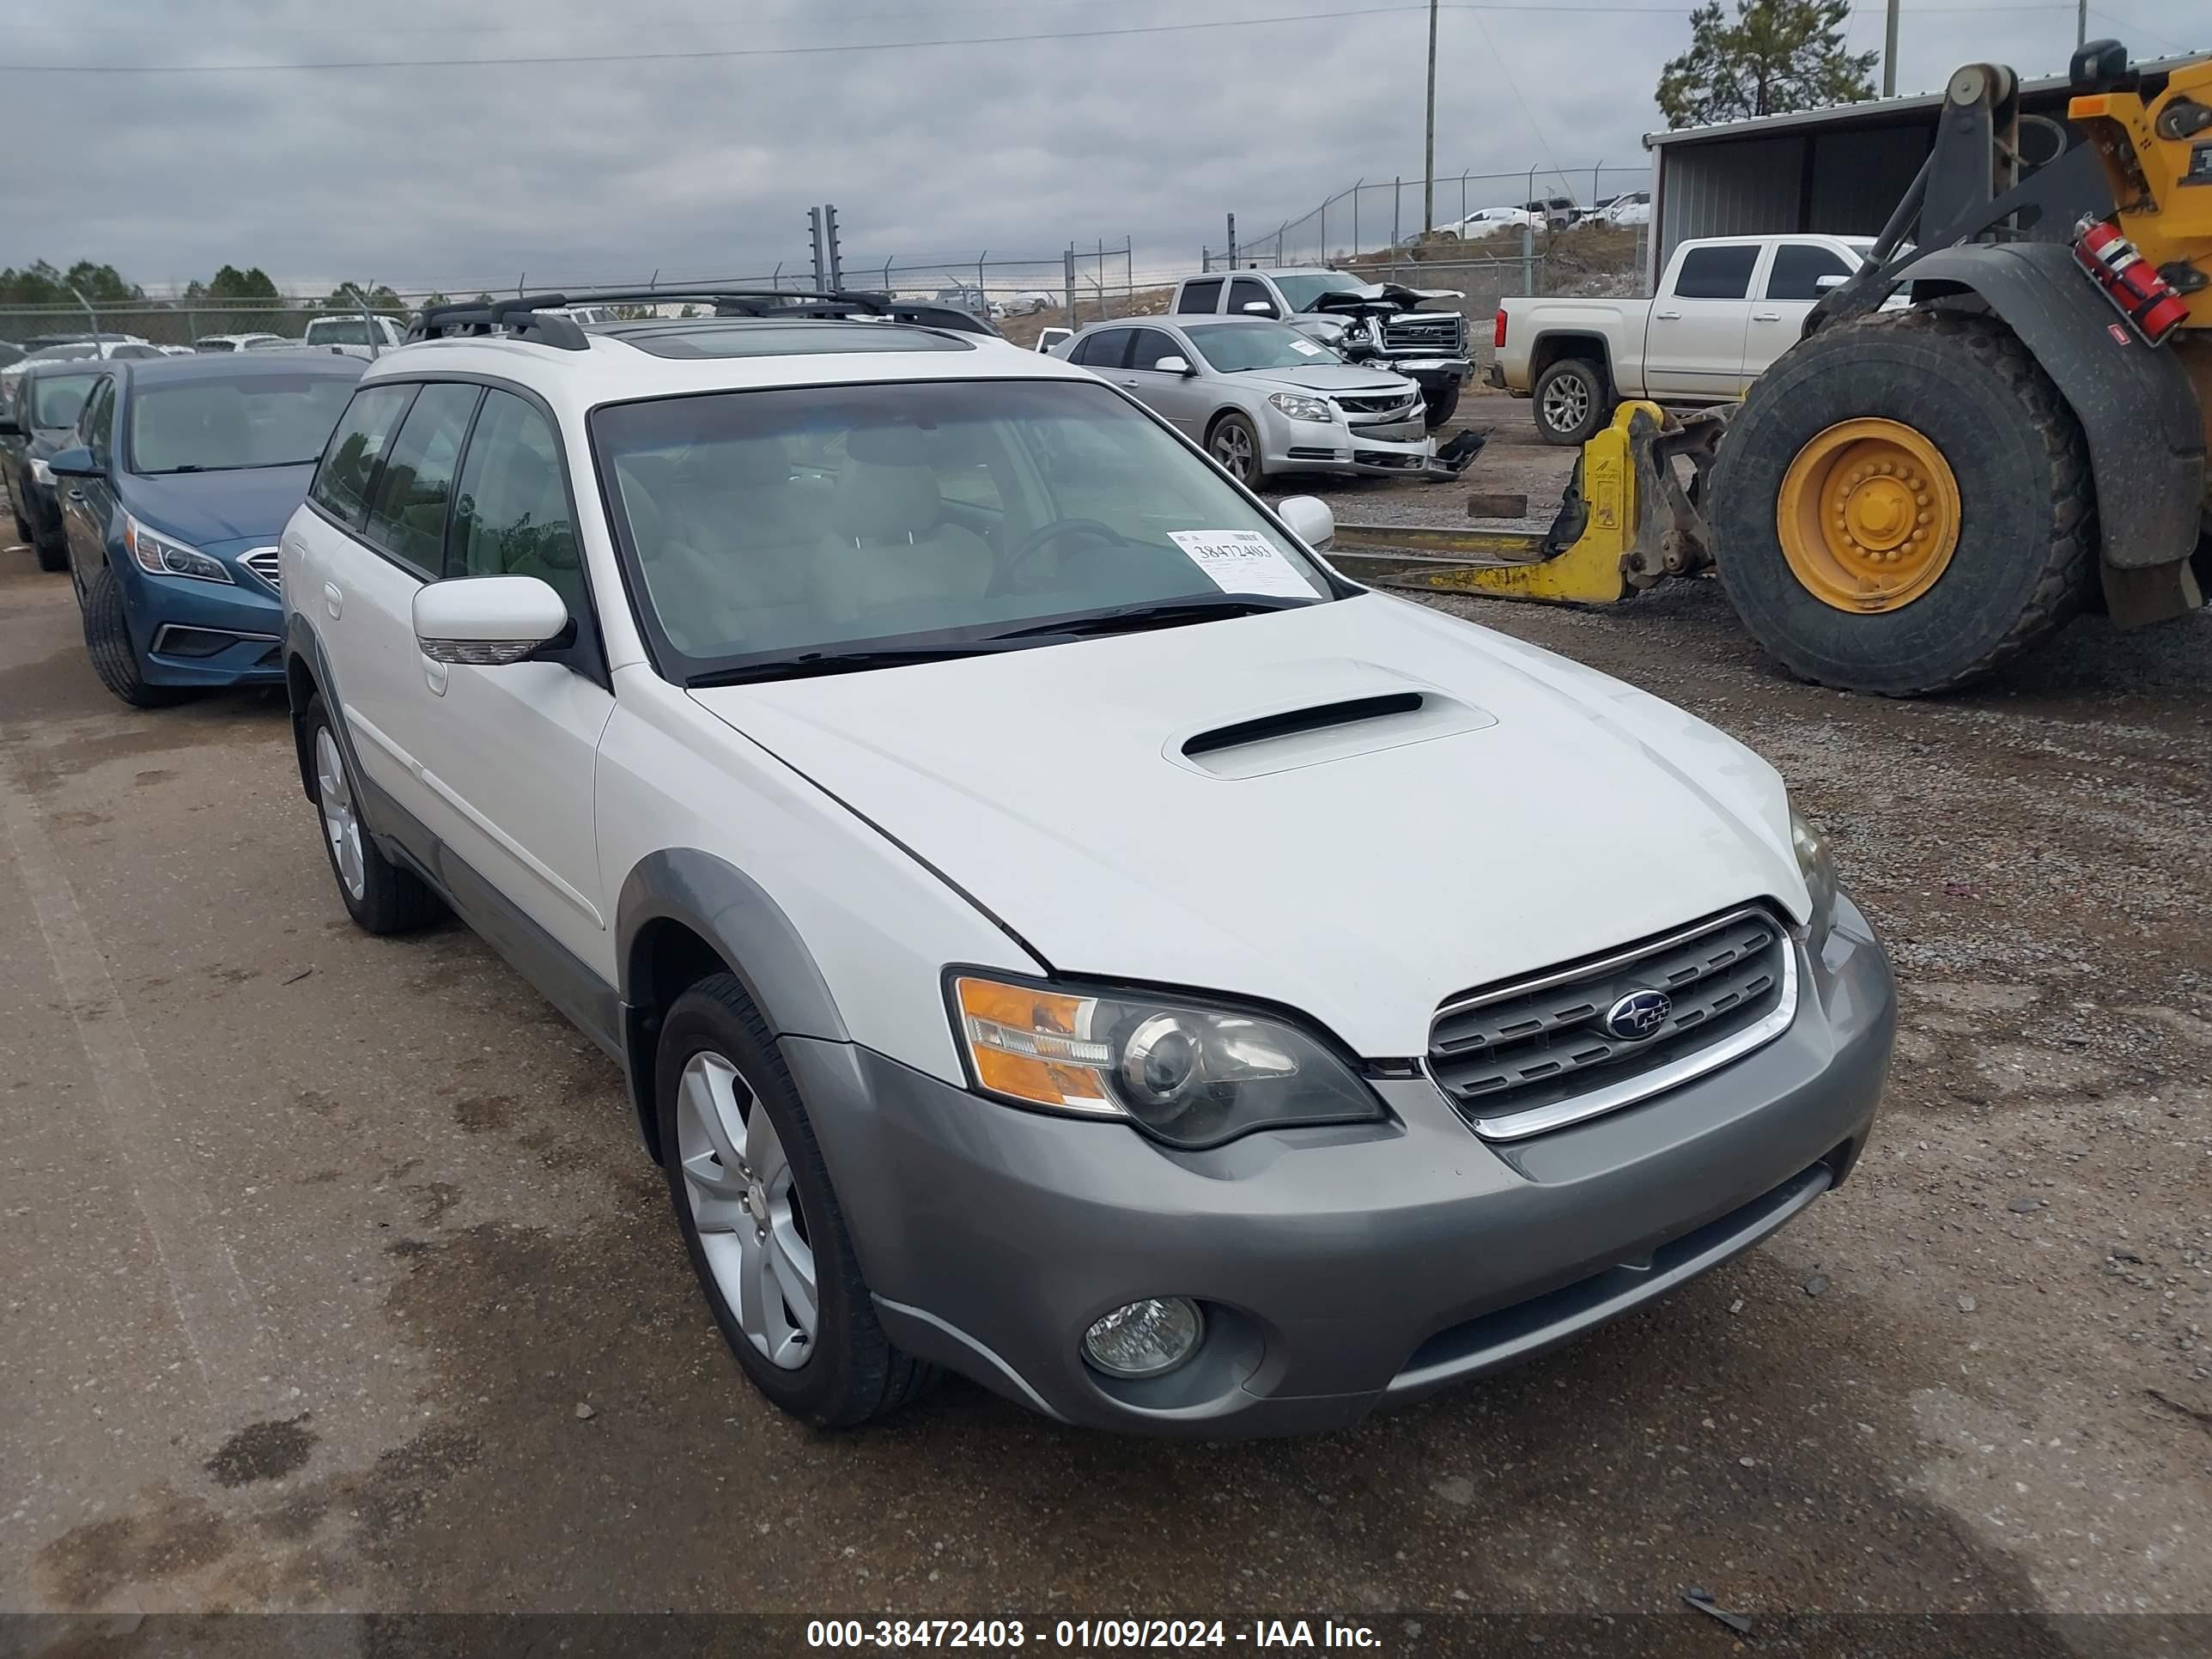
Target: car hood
[249, 506]
[1362, 874]
[1337, 380]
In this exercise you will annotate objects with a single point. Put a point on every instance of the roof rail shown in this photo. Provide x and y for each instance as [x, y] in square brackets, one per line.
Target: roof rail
[525, 316]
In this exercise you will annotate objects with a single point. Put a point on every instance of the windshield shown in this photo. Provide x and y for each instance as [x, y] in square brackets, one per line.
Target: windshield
[1302, 291]
[764, 525]
[208, 425]
[56, 399]
[1232, 348]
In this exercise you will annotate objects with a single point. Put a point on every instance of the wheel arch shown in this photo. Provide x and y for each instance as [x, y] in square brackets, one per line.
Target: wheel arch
[684, 915]
[2136, 405]
[1553, 345]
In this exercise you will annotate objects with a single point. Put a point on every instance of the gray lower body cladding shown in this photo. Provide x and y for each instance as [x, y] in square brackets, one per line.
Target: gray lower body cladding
[1339, 1268]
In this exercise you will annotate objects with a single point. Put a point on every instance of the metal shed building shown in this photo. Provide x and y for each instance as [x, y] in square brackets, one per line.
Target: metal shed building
[1838, 171]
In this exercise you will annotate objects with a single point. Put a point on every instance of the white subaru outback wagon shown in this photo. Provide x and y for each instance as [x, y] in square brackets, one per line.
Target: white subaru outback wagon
[964, 813]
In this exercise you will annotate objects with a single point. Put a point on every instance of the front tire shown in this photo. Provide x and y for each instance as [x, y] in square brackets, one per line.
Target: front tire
[1438, 406]
[1235, 442]
[382, 897]
[1572, 401]
[107, 642]
[761, 1221]
[1903, 504]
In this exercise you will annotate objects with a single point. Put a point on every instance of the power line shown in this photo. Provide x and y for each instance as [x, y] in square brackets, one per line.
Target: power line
[821, 49]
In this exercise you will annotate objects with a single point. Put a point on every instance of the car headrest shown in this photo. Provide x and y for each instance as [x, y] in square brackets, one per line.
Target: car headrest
[877, 502]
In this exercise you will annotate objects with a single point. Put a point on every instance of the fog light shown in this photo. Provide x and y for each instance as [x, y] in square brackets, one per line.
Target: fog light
[1146, 1338]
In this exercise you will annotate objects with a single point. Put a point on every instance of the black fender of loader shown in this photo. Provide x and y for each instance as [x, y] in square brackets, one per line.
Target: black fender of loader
[2137, 409]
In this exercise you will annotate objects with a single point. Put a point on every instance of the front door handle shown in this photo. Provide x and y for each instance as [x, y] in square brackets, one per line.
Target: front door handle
[1765, 316]
[333, 601]
[1667, 316]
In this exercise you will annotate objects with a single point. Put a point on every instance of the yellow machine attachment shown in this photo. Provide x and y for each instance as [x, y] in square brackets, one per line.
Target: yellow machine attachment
[1628, 521]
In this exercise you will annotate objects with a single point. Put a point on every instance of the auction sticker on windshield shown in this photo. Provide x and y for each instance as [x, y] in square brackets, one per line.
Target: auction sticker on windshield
[1242, 561]
[1306, 348]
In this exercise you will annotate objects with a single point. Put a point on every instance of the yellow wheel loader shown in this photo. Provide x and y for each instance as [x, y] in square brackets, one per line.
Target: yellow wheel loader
[1918, 493]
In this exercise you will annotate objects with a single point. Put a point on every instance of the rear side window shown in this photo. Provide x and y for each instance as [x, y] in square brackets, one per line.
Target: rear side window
[407, 519]
[1798, 268]
[1716, 273]
[357, 442]
[511, 515]
[1103, 350]
[1200, 298]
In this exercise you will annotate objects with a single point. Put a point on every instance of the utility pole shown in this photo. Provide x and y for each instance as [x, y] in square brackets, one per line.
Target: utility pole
[1429, 151]
[1889, 52]
[2080, 23]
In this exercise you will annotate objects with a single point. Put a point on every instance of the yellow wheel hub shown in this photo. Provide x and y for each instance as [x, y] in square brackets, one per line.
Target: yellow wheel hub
[1869, 515]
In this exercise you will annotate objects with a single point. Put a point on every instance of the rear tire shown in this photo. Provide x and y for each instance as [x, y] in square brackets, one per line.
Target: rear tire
[1572, 401]
[22, 525]
[107, 642]
[2026, 527]
[382, 897]
[725, 1098]
[52, 551]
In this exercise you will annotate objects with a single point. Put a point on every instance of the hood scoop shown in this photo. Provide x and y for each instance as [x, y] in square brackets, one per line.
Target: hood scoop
[1312, 733]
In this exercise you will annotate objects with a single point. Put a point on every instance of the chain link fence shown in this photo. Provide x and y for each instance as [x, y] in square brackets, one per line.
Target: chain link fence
[165, 323]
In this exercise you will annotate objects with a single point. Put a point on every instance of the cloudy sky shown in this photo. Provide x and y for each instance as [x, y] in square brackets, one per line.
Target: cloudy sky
[702, 157]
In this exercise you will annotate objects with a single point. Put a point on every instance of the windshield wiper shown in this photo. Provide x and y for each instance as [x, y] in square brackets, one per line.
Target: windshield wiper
[1172, 613]
[808, 664]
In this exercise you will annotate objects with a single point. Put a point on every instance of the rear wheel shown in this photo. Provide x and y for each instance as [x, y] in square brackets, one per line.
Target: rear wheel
[1236, 445]
[382, 897]
[1572, 401]
[22, 525]
[52, 551]
[1903, 504]
[107, 642]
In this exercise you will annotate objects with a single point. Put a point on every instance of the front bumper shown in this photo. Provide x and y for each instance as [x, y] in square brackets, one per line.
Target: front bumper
[203, 634]
[1401, 448]
[1339, 1267]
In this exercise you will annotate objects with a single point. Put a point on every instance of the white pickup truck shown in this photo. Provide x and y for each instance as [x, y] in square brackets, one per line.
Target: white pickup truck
[1726, 308]
[349, 331]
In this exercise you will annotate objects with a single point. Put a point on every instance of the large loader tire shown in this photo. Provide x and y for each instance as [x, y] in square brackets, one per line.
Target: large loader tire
[1903, 504]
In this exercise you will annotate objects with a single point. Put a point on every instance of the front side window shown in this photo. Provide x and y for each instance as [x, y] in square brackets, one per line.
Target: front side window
[767, 532]
[407, 519]
[511, 513]
[97, 424]
[1152, 344]
[1247, 291]
[1798, 268]
[1232, 348]
[341, 484]
[210, 425]
[59, 399]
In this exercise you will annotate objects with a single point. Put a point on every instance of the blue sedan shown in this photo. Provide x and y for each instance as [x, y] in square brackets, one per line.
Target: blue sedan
[173, 495]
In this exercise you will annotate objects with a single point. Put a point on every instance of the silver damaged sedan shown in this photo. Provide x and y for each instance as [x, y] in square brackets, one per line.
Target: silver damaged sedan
[1262, 397]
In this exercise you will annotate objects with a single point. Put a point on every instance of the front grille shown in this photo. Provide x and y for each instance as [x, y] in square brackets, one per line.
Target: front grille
[1388, 403]
[1535, 1054]
[1385, 457]
[1442, 331]
[263, 563]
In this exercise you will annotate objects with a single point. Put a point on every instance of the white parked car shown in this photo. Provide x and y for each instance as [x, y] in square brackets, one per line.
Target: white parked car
[925, 774]
[1489, 222]
[1726, 308]
[260, 342]
[1027, 302]
[1634, 209]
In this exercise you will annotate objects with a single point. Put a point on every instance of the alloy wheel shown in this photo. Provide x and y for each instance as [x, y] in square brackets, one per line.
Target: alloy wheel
[1566, 402]
[341, 821]
[753, 1230]
[1232, 447]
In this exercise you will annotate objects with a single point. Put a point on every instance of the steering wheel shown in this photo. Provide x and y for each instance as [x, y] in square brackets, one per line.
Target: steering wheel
[1042, 536]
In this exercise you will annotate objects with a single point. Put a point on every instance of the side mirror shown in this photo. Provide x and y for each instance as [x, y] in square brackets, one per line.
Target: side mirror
[1308, 519]
[1258, 308]
[1830, 282]
[1174, 364]
[75, 462]
[488, 621]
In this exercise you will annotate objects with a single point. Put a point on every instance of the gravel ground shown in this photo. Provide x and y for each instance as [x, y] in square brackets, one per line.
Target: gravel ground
[463, 1368]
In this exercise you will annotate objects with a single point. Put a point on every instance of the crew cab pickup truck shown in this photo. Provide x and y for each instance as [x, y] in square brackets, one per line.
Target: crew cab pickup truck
[349, 333]
[1726, 308]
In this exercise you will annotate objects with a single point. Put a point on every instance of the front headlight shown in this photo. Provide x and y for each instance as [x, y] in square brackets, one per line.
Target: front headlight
[1183, 1072]
[41, 473]
[1299, 407]
[1815, 864]
[159, 556]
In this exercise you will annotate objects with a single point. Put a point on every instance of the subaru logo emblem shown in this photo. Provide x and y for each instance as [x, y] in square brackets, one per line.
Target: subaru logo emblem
[1639, 1014]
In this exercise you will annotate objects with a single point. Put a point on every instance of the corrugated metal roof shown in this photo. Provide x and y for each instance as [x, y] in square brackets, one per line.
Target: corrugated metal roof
[1871, 109]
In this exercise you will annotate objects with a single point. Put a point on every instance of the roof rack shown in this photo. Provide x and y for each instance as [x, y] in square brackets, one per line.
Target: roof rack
[534, 316]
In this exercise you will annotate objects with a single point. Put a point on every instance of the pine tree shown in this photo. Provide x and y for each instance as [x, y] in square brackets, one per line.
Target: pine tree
[1775, 55]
